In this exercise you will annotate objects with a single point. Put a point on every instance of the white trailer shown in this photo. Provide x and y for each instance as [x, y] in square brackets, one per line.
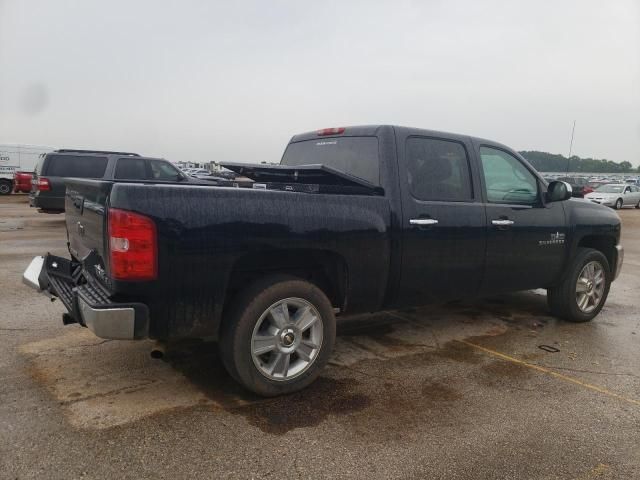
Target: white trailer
[17, 158]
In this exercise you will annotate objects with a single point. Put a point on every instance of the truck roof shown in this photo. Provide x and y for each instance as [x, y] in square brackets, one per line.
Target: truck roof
[372, 130]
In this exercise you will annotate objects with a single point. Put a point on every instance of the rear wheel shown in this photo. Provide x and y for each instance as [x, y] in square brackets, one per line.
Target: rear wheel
[584, 290]
[5, 187]
[278, 335]
[638, 204]
[618, 204]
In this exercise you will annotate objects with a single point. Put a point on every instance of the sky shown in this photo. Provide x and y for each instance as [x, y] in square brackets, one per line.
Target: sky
[234, 80]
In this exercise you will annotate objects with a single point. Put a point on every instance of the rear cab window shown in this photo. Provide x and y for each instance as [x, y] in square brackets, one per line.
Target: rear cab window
[79, 166]
[357, 156]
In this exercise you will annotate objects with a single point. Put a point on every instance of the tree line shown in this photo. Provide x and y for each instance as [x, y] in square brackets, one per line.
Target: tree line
[550, 162]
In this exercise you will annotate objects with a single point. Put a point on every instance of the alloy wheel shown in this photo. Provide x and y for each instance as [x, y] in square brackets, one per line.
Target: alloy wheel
[286, 339]
[590, 286]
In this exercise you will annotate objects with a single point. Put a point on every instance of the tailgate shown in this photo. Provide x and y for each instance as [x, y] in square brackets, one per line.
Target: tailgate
[85, 215]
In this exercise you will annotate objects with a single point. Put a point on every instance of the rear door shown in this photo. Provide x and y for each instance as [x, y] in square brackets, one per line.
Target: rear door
[443, 220]
[525, 236]
[630, 196]
[635, 195]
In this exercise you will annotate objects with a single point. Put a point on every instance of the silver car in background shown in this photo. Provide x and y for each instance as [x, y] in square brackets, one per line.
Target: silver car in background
[616, 195]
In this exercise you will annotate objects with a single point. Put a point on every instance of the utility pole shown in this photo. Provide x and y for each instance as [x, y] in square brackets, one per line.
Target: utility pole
[573, 131]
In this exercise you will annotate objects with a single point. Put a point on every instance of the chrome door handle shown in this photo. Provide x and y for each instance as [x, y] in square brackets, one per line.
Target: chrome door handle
[423, 221]
[502, 223]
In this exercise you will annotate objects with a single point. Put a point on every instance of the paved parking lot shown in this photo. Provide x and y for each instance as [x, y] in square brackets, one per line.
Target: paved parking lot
[455, 391]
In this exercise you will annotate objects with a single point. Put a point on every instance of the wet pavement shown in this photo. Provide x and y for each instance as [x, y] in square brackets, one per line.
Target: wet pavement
[489, 389]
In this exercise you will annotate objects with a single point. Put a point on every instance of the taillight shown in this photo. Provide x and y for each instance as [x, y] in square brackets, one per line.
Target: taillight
[587, 190]
[43, 184]
[331, 131]
[132, 246]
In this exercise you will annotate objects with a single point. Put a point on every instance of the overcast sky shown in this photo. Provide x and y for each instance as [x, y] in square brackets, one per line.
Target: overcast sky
[234, 80]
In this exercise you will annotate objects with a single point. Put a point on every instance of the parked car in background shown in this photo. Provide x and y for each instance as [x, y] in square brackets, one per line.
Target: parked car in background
[48, 183]
[353, 220]
[616, 195]
[594, 184]
[199, 171]
[580, 185]
[22, 182]
[17, 158]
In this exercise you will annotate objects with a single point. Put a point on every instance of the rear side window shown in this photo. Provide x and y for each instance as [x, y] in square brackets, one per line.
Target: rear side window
[130, 169]
[438, 170]
[75, 166]
[357, 156]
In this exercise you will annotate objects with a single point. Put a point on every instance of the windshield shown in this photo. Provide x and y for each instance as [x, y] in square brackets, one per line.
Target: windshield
[357, 156]
[609, 189]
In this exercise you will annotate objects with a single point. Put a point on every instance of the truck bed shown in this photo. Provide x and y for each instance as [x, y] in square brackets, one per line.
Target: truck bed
[205, 233]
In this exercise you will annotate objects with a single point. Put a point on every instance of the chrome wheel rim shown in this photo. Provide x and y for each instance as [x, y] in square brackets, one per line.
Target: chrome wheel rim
[286, 339]
[590, 287]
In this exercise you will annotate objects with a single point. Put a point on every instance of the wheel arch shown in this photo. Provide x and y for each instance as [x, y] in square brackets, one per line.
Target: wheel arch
[605, 244]
[324, 268]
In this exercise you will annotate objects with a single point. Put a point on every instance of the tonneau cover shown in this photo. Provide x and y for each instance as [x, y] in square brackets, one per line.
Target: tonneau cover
[308, 174]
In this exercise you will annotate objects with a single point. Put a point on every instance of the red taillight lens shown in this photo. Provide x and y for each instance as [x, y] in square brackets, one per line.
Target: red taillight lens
[331, 131]
[587, 190]
[132, 246]
[43, 184]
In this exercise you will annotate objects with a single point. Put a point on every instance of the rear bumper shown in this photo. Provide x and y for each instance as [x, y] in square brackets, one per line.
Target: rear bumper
[86, 302]
[46, 202]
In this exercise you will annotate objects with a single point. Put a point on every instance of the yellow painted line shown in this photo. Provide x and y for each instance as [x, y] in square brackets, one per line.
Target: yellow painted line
[553, 373]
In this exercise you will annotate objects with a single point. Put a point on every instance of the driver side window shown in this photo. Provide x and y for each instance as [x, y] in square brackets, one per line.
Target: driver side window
[506, 179]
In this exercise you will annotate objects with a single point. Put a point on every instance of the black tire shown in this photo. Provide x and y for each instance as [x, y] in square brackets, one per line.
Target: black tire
[5, 187]
[618, 204]
[562, 298]
[638, 204]
[237, 328]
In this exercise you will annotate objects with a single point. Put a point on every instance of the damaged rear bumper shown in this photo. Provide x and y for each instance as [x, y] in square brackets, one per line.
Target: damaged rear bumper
[85, 300]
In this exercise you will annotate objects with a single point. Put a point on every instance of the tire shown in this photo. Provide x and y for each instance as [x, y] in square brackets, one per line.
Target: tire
[5, 187]
[563, 300]
[249, 328]
[638, 204]
[618, 204]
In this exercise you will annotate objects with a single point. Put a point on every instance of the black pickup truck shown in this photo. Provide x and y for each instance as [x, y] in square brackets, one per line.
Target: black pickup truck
[353, 220]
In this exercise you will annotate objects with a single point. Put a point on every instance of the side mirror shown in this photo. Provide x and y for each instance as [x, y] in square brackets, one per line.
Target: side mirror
[559, 191]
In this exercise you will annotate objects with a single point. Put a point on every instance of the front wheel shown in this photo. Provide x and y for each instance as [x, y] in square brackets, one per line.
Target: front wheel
[278, 335]
[5, 187]
[618, 204]
[583, 292]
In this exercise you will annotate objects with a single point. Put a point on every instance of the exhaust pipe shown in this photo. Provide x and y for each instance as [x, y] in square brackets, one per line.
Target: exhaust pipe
[158, 350]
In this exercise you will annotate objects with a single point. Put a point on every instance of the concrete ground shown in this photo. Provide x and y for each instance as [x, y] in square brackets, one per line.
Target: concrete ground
[456, 391]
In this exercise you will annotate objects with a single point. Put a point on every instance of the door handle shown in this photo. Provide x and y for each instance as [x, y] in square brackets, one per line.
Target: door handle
[502, 223]
[423, 221]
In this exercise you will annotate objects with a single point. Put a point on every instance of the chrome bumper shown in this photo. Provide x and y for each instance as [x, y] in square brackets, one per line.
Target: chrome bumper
[31, 275]
[112, 321]
[619, 260]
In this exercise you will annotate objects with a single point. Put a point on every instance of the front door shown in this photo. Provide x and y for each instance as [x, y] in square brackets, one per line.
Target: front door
[525, 236]
[443, 231]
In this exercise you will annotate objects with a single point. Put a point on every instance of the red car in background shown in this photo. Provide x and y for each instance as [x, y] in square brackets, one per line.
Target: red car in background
[22, 182]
